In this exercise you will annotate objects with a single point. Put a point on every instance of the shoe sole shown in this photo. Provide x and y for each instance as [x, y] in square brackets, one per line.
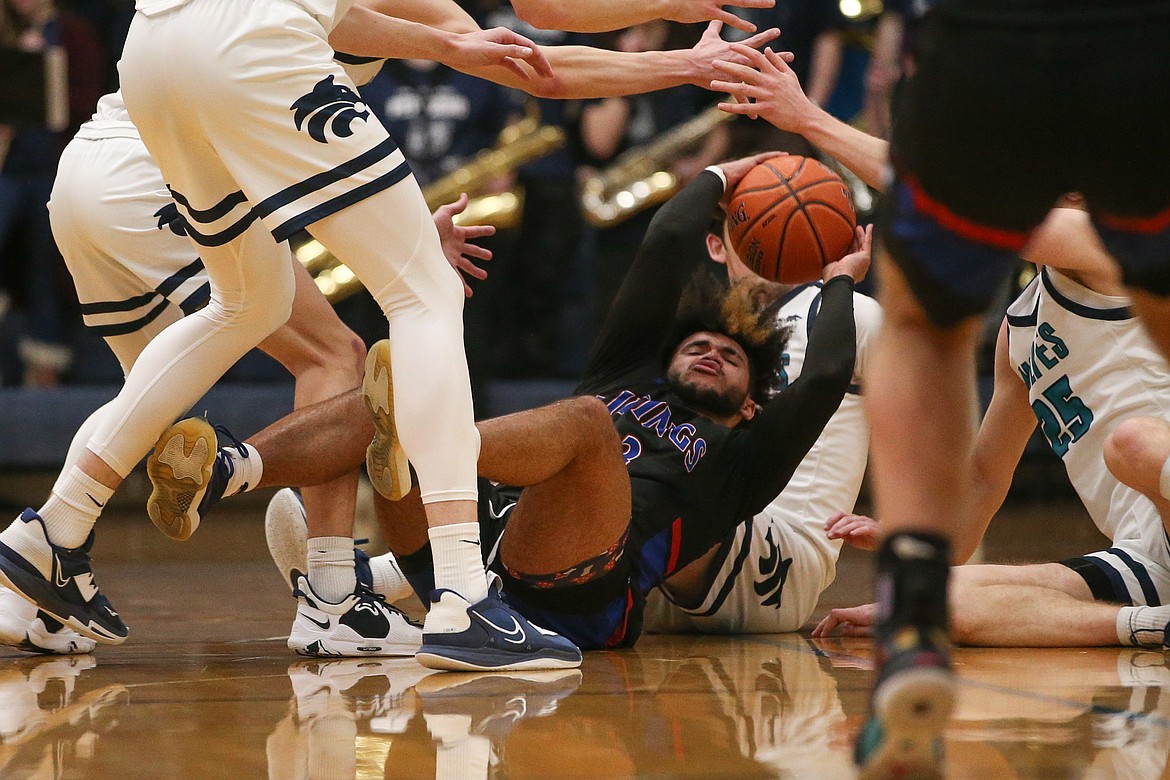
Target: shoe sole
[180, 471]
[40, 591]
[913, 707]
[286, 534]
[463, 660]
[319, 649]
[386, 462]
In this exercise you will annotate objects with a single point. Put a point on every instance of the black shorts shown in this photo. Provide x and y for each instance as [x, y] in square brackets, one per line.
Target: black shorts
[1001, 120]
[602, 612]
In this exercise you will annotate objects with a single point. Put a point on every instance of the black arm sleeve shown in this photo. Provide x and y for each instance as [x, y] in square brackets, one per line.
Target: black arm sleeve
[645, 305]
[786, 427]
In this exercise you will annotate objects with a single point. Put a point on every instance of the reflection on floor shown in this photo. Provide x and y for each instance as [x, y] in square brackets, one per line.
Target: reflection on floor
[205, 688]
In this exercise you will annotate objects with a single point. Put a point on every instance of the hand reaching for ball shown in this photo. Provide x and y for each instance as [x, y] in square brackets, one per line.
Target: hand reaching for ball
[735, 170]
[855, 264]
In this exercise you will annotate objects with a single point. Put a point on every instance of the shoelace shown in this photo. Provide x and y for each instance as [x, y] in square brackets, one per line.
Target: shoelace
[221, 430]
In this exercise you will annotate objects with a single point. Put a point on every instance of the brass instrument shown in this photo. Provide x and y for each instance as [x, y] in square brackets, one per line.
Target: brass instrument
[518, 143]
[638, 178]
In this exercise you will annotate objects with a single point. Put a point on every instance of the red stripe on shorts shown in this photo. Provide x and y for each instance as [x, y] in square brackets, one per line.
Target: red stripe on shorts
[999, 238]
[1147, 226]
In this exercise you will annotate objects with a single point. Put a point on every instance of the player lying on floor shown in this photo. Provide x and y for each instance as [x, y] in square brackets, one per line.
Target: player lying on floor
[673, 441]
[1071, 357]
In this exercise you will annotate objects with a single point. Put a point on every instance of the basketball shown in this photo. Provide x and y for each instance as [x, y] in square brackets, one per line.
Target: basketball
[789, 218]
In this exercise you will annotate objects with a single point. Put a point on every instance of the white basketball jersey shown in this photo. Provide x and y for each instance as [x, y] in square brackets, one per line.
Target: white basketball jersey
[773, 569]
[1089, 365]
[327, 12]
[111, 120]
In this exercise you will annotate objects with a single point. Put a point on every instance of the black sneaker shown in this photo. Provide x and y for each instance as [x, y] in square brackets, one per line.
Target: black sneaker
[915, 687]
[488, 636]
[59, 580]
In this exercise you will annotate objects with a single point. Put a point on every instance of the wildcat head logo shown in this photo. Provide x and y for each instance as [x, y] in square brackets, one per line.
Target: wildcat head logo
[169, 217]
[335, 106]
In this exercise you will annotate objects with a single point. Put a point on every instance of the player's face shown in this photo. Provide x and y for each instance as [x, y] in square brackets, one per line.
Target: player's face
[711, 374]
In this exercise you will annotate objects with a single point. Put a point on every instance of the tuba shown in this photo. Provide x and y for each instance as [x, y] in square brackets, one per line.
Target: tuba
[638, 178]
[518, 143]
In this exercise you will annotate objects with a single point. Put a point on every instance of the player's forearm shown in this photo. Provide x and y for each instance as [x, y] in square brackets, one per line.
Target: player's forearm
[367, 33]
[858, 151]
[789, 425]
[441, 14]
[591, 16]
[582, 72]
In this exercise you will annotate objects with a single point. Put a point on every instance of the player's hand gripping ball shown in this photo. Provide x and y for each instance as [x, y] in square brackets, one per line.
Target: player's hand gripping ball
[789, 218]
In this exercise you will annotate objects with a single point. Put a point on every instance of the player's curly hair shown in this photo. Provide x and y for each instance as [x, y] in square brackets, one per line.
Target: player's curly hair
[746, 311]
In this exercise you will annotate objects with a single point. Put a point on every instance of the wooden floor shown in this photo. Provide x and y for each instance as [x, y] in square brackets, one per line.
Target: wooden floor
[205, 688]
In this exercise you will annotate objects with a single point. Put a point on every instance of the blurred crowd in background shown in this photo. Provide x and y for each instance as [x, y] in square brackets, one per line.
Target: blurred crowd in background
[556, 265]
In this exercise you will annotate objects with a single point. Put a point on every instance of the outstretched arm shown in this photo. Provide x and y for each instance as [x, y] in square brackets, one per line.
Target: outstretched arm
[767, 80]
[577, 72]
[581, 72]
[369, 33]
[604, 15]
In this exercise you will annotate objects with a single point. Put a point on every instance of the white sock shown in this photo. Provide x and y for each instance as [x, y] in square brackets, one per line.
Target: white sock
[247, 472]
[331, 567]
[73, 507]
[458, 563]
[1142, 626]
[1164, 480]
[389, 581]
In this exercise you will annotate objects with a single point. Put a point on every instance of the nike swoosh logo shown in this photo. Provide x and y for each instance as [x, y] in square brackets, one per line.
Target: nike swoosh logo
[470, 541]
[498, 516]
[516, 630]
[97, 503]
[321, 624]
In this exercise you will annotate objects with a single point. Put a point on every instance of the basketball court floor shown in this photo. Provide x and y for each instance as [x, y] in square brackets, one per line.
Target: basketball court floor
[205, 688]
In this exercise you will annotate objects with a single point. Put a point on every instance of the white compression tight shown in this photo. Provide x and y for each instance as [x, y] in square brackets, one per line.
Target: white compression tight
[389, 240]
[251, 296]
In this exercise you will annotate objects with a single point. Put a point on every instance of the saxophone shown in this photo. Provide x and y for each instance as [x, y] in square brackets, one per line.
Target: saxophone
[518, 143]
[638, 178]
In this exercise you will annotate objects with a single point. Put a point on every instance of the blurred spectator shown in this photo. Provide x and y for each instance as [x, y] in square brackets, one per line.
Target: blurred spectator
[441, 119]
[612, 126]
[529, 277]
[110, 19]
[893, 40]
[31, 270]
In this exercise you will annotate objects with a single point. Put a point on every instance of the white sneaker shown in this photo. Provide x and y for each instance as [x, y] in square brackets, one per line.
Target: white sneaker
[386, 462]
[287, 532]
[27, 628]
[362, 624]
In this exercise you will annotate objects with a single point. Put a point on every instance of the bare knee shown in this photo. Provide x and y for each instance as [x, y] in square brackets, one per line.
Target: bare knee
[1136, 451]
[594, 425]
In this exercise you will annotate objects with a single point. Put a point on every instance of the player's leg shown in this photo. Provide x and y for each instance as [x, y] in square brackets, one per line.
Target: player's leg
[1137, 452]
[1041, 605]
[950, 233]
[1105, 598]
